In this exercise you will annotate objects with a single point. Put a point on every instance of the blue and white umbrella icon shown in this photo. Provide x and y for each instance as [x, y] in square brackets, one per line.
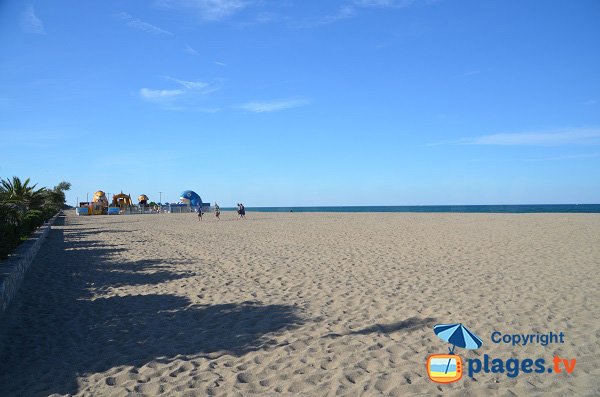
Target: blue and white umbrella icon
[457, 335]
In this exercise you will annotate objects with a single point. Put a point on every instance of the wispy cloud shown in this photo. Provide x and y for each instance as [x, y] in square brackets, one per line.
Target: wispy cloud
[220, 63]
[190, 50]
[190, 85]
[342, 13]
[352, 9]
[30, 23]
[274, 105]
[189, 91]
[261, 18]
[195, 85]
[590, 102]
[159, 95]
[138, 24]
[209, 10]
[577, 136]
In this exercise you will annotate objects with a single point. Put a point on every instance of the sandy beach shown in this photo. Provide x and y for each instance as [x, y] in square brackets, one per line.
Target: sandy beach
[313, 304]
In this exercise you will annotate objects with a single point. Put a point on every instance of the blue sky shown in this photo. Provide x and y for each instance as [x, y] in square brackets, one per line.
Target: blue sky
[356, 102]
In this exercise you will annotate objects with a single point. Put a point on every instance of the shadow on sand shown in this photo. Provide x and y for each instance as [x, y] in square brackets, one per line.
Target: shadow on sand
[408, 325]
[56, 330]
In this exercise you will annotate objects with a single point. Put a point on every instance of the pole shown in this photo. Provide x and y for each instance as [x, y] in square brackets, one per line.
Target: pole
[87, 199]
[160, 197]
[448, 366]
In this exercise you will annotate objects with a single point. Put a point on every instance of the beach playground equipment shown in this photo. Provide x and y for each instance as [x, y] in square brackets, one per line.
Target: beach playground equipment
[143, 200]
[190, 198]
[189, 201]
[98, 205]
[122, 204]
[100, 198]
[122, 200]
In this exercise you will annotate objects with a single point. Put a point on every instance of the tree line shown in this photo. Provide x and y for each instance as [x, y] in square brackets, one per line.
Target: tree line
[24, 207]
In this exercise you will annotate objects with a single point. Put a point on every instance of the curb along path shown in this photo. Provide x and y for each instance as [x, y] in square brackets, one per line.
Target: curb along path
[14, 268]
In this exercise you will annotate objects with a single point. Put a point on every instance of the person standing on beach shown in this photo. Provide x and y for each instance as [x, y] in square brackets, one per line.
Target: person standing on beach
[239, 210]
[217, 211]
[242, 211]
[200, 213]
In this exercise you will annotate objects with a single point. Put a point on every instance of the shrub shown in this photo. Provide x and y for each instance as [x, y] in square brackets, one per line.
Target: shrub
[9, 239]
[10, 216]
[31, 221]
[24, 208]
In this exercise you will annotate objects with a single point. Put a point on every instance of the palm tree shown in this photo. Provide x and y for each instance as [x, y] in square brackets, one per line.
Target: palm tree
[21, 193]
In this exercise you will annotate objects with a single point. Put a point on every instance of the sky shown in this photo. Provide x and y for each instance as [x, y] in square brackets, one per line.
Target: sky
[299, 103]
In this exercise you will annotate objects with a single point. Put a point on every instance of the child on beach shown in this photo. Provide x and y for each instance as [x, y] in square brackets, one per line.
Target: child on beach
[217, 211]
[200, 213]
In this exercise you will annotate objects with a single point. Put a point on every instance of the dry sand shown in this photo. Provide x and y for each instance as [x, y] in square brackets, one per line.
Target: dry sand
[300, 304]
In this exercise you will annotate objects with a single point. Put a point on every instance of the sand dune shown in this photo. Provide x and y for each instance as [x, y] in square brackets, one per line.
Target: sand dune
[300, 304]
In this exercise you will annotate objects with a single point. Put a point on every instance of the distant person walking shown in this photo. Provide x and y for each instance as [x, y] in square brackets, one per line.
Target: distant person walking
[200, 213]
[242, 211]
[217, 211]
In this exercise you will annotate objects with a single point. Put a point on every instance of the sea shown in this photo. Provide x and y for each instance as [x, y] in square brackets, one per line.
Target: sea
[510, 209]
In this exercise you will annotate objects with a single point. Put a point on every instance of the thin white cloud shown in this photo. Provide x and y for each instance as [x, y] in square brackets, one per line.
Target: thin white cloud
[30, 23]
[179, 98]
[209, 10]
[261, 18]
[342, 13]
[196, 86]
[159, 95]
[209, 110]
[138, 24]
[578, 136]
[190, 85]
[352, 8]
[272, 106]
[220, 63]
[190, 50]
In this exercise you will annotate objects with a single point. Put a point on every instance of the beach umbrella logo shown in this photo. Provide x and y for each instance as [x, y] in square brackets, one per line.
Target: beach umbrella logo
[447, 368]
[457, 335]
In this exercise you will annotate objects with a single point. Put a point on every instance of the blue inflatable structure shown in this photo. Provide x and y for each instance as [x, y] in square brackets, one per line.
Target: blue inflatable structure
[191, 198]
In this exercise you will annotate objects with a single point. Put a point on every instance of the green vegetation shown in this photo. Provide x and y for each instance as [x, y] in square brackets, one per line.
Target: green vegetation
[24, 208]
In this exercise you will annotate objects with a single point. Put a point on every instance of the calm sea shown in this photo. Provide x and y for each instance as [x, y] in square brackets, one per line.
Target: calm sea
[514, 209]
